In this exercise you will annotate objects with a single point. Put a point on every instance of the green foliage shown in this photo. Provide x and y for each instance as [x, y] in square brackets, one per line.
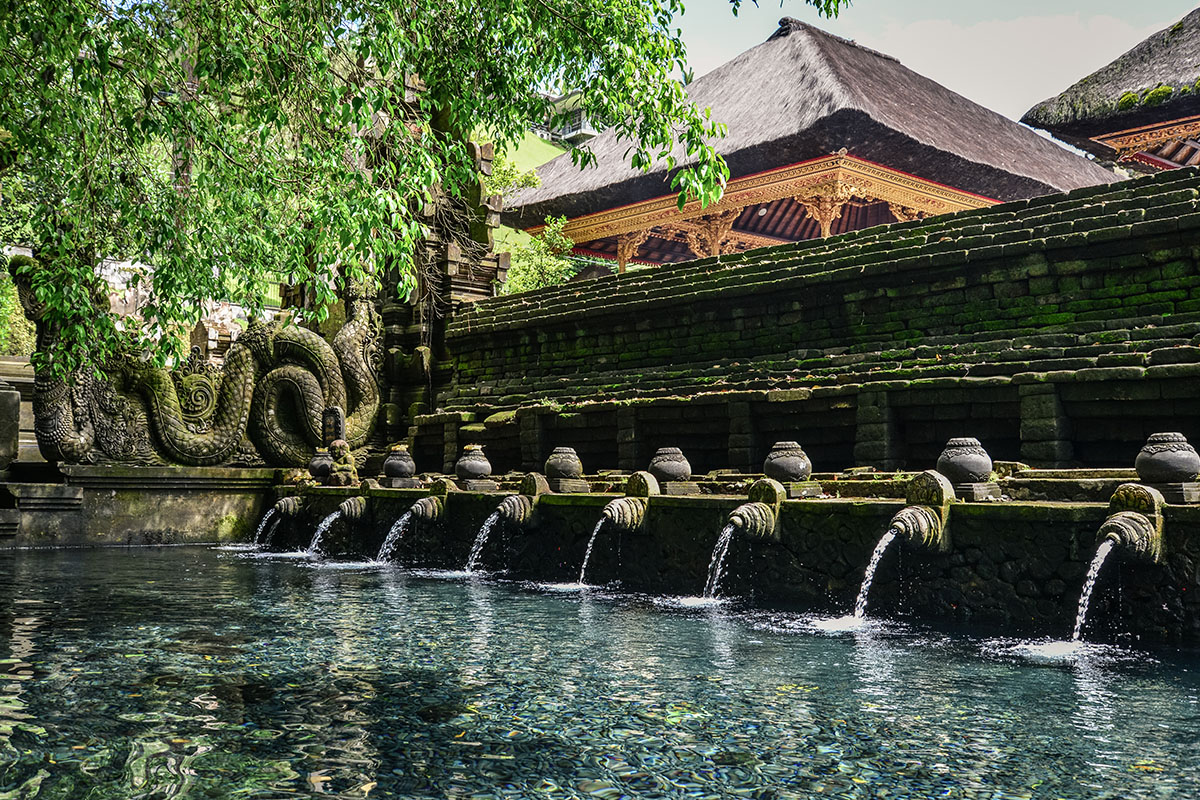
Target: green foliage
[541, 262]
[16, 332]
[1127, 101]
[826, 8]
[228, 144]
[507, 178]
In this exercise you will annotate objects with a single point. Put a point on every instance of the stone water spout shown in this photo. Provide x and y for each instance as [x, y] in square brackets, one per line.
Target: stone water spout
[353, 508]
[1135, 525]
[628, 513]
[923, 521]
[516, 510]
[289, 506]
[428, 509]
[1135, 522]
[759, 518]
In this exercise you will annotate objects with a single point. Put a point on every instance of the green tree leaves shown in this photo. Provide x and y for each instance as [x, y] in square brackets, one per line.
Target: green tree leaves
[234, 145]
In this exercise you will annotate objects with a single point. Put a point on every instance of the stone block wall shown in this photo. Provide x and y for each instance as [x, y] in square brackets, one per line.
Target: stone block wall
[1059, 330]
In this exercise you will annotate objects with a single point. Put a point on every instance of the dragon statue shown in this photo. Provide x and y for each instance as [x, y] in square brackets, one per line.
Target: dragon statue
[264, 406]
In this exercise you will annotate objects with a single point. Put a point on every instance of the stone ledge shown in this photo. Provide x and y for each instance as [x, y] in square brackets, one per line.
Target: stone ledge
[106, 476]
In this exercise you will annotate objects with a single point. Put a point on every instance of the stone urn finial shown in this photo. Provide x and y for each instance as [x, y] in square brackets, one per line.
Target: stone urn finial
[670, 465]
[1167, 458]
[965, 461]
[564, 463]
[399, 462]
[472, 464]
[321, 464]
[787, 462]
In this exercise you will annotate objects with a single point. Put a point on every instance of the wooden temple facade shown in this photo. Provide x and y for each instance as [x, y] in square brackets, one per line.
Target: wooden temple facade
[825, 136]
[821, 197]
[1142, 110]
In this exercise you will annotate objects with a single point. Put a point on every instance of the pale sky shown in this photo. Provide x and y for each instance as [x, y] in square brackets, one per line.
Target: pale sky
[1007, 55]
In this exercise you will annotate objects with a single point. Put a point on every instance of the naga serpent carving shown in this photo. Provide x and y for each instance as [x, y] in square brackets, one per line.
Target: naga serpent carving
[263, 406]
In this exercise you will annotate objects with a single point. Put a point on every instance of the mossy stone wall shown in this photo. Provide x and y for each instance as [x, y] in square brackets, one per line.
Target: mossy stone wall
[1059, 330]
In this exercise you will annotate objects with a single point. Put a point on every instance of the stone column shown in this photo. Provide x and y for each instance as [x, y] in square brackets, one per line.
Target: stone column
[627, 455]
[10, 424]
[533, 438]
[449, 445]
[741, 438]
[876, 441]
[1045, 429]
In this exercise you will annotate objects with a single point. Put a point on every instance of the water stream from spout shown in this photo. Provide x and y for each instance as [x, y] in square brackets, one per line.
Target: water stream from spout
[314, 547]
[587, 556]
[1085, 597]
[481, 538]
[716, 564]
[399, 528]
[262, 525]
[860, 604]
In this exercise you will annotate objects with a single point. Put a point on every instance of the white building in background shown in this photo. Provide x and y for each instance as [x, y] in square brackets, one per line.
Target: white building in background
[576, 130]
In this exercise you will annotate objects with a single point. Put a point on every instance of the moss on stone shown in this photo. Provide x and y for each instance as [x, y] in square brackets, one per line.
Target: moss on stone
[1127, 101]
[1157, 96]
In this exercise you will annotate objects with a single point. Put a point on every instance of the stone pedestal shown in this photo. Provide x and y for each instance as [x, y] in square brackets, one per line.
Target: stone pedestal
[798, 489]
[568, 485]
[401, 483]
[678, 488]
[975, 492]
[1179, 493]
[478, 485]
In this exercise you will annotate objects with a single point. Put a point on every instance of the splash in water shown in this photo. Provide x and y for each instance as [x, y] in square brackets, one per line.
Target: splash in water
[860, 604]
[314, 548]
[262, 525]
[716, 564]
[481, 538]
[394, 536]
[1085, 597]
[587, 556]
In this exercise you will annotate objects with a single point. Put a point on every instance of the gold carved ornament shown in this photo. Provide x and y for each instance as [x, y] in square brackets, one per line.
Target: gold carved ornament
[831, 177]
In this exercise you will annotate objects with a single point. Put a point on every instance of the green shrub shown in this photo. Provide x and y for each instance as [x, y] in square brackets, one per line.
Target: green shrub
[17, 337]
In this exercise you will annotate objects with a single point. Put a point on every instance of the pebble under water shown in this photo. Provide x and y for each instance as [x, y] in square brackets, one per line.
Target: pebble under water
[188, 672]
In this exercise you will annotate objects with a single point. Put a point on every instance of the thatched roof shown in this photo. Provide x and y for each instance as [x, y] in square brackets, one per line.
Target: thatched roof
[804, 94]
[1156, 81]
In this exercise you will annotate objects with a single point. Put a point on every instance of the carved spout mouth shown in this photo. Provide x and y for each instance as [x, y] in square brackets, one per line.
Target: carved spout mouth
[921, 526]
[626, 513]
[288, 506]
[755, 520]
[353, 508]
[516, 509]
[428, 509]
[1134, 533]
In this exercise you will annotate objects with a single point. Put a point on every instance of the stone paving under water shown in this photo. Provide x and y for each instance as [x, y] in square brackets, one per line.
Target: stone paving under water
[187, 672]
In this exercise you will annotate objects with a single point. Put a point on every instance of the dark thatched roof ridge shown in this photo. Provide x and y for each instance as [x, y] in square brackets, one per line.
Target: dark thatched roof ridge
[1122, 95]
[805, 93]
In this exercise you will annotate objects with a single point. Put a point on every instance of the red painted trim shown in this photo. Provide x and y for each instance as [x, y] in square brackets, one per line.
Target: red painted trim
[1152, 161]
[583, 251]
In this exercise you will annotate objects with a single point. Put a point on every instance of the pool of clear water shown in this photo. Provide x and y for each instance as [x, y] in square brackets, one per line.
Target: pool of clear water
[189, 672]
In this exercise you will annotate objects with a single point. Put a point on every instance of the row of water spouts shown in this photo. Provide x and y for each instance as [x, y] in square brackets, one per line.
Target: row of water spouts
[964, 462]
